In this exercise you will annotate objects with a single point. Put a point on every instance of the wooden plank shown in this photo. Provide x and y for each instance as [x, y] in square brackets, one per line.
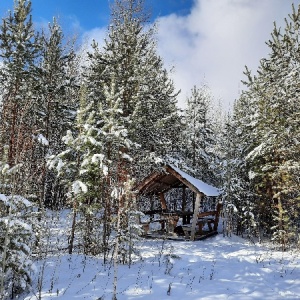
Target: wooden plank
[207, 213]
[206, 235]
[162, 201]
[195, 216]
[144, 185]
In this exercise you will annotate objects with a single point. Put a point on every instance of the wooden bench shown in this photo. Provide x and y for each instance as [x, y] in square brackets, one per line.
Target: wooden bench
[145, 227]
[187, 230]
[202, 222]
[208, 217]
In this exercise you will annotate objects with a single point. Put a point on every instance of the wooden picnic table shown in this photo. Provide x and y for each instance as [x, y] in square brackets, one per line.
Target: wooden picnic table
[208, 219]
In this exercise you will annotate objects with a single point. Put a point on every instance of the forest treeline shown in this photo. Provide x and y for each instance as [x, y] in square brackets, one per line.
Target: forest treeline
[79, 130]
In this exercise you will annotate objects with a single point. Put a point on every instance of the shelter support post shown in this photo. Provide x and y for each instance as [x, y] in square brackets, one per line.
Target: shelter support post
[195, 216]
[162, 201]
[183, 199]
[183, 206]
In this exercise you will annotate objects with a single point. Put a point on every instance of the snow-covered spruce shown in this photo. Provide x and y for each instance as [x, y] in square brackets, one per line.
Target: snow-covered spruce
[16, 266]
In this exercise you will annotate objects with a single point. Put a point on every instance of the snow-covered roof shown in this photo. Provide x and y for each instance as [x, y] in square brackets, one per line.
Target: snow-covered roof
[201, 186]
[160, 182]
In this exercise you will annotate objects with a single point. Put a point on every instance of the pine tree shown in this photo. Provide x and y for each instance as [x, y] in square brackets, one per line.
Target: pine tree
[18, 50]
[54, 108]
[15, 250]
[82, 167]
[148, 100]
[238, 197]
[199, 134]
[16, 220]
[142, 101]
[92, 166]
[274, 157]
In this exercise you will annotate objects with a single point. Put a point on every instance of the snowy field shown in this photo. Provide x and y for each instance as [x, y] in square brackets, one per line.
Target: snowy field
[216, 268]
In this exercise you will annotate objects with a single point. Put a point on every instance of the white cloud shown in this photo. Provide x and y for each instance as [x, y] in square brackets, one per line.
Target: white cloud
[216, 40]
[98, 35]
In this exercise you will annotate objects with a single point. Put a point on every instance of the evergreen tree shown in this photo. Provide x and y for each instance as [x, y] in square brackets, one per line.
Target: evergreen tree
[199, 135]
[16, 236]
[274, 156]
[16, 266]
[82, 166]
[92, 166]
[127, 109]
[238, 197]
[147, 96]
[18, 50]
[54, 108]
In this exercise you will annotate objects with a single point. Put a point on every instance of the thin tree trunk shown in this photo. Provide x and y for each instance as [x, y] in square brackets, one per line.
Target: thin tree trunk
[195, 216]
[71, 245]
[5, 246]
[280, 224]
[115, 256]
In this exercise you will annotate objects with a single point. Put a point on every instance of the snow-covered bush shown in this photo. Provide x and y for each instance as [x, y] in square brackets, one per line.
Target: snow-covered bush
[16, 265]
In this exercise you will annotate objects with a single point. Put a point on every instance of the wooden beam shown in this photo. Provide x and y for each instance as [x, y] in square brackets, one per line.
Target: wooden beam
[207, 213]
[195, 216]
[162, 201]
[185, 219]
[155, 183]
[143, 186]
[183, 180]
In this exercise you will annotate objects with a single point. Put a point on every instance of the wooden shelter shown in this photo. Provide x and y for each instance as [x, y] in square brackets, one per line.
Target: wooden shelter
[159, 183]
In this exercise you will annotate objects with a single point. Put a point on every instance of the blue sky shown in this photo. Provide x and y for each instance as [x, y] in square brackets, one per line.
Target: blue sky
[92, 13]
[206, 41]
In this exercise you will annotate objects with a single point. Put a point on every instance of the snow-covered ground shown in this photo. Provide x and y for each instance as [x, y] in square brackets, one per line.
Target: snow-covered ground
[216, 268]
